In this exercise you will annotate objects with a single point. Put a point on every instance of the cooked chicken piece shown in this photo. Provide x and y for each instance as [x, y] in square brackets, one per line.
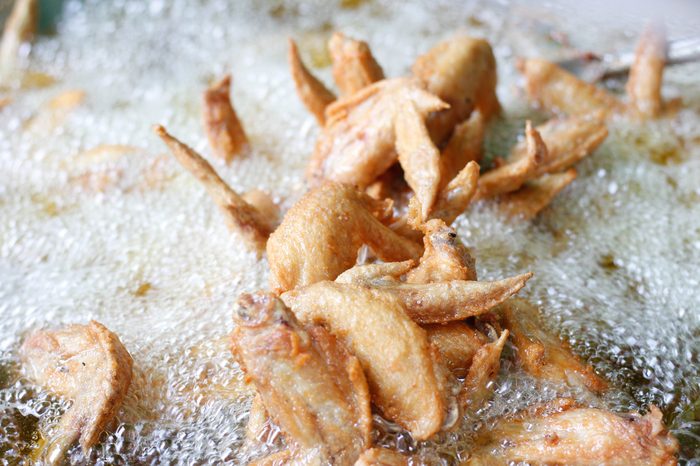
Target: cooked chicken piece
[322, 408]
[320, 235]
[462, 72]
[405, 379]
[457, 343]
[354, 67]
[381, 457]
[455, 197]
[478, 384]
[557, 90]
[418, 157]
[240, 216]
[646, 74]
[511, 176]
[357, 143]
[568, 140]
[432, 303]
[464, 146]
[224, 130]
[541, 353]
[529, 200]
[313, 94]
[260, 428]
[88, 365]
[444, 257]
[19, 29]
[578, 437]
[369, 273]
[263, 203]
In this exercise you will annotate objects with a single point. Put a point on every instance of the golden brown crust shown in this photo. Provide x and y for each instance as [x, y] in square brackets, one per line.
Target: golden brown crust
[354, 66]
[464, 146]
[221, 124]
[318, 406]
[542, 354]
[456, 196]
[320, 235]
[88, 365]
[532, 198]
[477, 388]
[557, 90]
[646, 73]
[240, 216]
[457, 343]
[381, 457]
[312, 92]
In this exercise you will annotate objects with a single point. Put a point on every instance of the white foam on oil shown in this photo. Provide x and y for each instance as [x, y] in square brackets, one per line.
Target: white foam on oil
[615, 257]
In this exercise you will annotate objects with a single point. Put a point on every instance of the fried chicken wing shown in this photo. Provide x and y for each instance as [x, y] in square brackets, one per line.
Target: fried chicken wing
[462, 72]
[455, 197]
[457, 343]
[511, 176]
[646, 73]
[240, 216]
[543, 354]
[88, 365]
[557, 90]
[464, 146]
[477, 388]
[418, 157]
[357, 144]
[444, 258]
[529, 200]
[578, 437]
[224, 130]
[354, 66]
[20, 27]
[312, 92]
[568, 141]
[404, 376]
[320, 235]
[322, 408]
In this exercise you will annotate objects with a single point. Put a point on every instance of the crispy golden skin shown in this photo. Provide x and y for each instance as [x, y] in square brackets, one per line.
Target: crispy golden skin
[224, 130]
[406, 382]
[381, 457]
[568, 141]
[444, 258]
[557, 90]
[464, 146]
[511, 176]
[462, 72]
[320, 235]
[543, 354]
[321, 407]
[88, 365]
[240, 216]
[418, 157]
[457, 343]
[442, 302]
[455, 197]
[313, 94]
[529, 200]
[477, 388]
[578, 437]
[357, 143]
[19, 28]
[646, 74]
[354, 66]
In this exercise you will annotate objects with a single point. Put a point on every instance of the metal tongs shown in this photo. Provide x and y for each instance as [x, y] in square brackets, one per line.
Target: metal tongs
[591, 67]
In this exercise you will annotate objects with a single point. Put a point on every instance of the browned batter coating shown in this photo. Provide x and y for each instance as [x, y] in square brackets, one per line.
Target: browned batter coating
[240, 216]
[312, 388]
[478, 384]
[542, 354]
[457, 343]
[464, 146]
[381, 457]
[537, 194]
[224, 130]
[462, 72]
[354, 66]
[646, 74]
[578, 437]
[320, 235]
[88, 365]
[456, 196]
[312, 92]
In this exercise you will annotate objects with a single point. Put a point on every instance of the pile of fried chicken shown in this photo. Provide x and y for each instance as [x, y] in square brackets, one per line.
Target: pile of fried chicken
[374, 305]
